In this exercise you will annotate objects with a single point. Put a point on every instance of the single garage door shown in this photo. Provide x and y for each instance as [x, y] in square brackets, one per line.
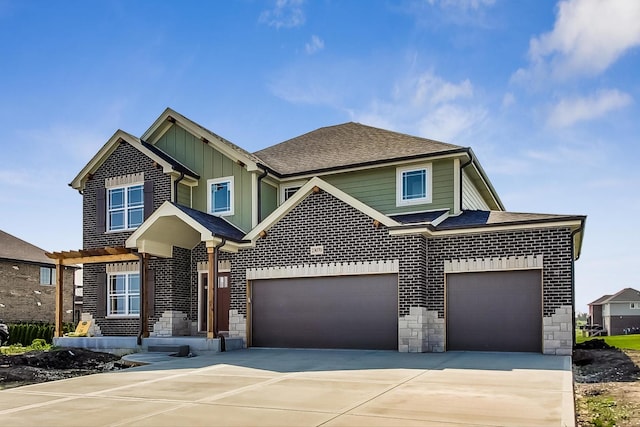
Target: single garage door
[494, 311]
[355, 312]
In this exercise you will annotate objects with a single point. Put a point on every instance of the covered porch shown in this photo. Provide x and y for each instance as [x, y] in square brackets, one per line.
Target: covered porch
[169, 226]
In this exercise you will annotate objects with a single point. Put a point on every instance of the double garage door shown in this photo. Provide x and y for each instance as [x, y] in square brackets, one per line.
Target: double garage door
[351, 312]
[494, 311]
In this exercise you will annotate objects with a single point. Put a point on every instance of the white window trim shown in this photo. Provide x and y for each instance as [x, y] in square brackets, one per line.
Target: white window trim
[126, 315]
[126, 208]
[634, 305]
[213, 181]
[428, 168]
[286, 185]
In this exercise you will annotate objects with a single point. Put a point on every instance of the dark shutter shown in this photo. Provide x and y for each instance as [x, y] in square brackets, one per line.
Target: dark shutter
[151, 293]
[148, 199]
[101, 210]
[101, 296]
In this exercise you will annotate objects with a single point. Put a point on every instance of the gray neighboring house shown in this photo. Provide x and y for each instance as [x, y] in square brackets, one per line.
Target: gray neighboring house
[616, 312]
[27, 283]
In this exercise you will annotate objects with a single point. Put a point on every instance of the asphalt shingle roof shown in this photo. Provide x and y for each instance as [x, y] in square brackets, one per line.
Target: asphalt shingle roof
[479, 218]
[416, 218]
[625, 295]
[346, 145]
[14, 248]
[215, 224]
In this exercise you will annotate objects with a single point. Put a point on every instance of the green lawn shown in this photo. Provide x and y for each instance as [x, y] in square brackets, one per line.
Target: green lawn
[627, 342]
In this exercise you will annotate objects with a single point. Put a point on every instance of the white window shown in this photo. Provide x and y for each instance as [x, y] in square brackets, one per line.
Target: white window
[123, 294]
[47, 276]
[220, 196]
[635, 305]
[289, 189]
[413, 185]
[125, 207]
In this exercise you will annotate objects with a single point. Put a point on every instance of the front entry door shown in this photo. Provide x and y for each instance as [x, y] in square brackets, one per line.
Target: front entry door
[224, 299]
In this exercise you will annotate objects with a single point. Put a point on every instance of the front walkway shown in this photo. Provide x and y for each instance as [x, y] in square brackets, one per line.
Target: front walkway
[309, 388]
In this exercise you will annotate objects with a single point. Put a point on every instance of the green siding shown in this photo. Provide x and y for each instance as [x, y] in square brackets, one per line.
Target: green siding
[377, 187]
[210, 163]
[268, 199]
[184, 195]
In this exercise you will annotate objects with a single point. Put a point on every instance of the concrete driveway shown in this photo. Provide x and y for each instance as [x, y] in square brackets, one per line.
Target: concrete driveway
[308, 388]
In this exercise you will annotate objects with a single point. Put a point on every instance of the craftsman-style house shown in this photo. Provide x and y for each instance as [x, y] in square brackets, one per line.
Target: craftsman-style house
[348, 236]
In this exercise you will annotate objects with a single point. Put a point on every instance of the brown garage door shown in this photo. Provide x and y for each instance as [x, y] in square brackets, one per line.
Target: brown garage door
[494, 311]
[356, 312]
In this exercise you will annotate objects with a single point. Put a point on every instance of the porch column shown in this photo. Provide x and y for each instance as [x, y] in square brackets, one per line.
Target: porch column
[211, 283]
[59, 298]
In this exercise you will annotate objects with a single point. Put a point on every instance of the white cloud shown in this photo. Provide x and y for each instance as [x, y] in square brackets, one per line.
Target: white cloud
[315, 44]
[568, 111]
[285, 14]
[426, 105]
[508, 100]
[588, 36]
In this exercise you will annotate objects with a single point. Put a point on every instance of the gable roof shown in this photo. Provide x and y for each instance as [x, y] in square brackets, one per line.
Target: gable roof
[625, 295]
[303, 192]
[600, 300]
[170, 116]
[168, 163]
[347, 145]
[17, 249]
[217, 225]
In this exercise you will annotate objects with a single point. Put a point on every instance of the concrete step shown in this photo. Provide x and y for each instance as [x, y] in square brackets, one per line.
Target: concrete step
[179, 350]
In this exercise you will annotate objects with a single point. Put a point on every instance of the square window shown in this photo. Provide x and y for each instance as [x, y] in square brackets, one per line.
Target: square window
[413, 185]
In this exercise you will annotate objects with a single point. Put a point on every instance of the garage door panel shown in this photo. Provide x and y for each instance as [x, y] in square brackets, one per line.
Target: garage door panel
[494, 311]
[359, 312]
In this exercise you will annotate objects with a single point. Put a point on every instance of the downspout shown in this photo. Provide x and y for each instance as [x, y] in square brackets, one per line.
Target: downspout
[143, 290]
[214, 283]
[462, 174]
[264, 173]
[573, 282]
[175, 187]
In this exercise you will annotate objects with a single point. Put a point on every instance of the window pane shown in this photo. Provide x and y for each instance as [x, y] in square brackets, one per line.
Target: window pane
[116, 220]
[45, 276]
[288, 192]
[134, 283]
[117, 305]
[414, 185]
[116, 198]
[136, 217]
[117, 284]
[221, 197]
[134, 304]
[135, 196]
[53, 276]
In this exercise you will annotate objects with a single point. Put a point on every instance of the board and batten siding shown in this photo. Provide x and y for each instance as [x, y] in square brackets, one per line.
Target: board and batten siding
[184, 195]
[471, 197]
[268, 199]
[209, 163]
[377, 187]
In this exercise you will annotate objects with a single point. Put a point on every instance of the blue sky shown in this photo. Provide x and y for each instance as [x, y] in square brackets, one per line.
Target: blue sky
[546, 93]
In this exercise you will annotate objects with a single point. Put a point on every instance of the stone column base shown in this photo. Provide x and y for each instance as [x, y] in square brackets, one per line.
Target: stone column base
[238, 326]
[557, 331]
[420, 331]
[172, 324]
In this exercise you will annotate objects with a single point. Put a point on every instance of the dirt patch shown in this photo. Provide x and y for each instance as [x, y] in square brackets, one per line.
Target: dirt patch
[41, 366]
[607, 385]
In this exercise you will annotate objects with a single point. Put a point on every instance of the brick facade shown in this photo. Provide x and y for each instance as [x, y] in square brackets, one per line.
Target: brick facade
[21, 291]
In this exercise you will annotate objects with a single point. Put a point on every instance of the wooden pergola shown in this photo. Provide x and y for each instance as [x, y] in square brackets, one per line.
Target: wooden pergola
[121, 254]
[84, 256]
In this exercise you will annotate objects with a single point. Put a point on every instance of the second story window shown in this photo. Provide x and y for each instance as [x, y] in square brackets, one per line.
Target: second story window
[413, 185]
[220, 196]
[125, 207]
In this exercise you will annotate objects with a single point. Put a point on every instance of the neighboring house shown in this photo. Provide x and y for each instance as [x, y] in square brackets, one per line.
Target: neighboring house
[617, 312]
[27, 283]
[348, 236]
